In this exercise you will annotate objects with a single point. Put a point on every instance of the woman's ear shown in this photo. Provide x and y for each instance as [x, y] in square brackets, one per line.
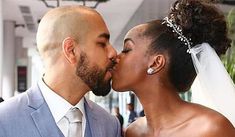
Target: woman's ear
[68, 47]
[156, 64]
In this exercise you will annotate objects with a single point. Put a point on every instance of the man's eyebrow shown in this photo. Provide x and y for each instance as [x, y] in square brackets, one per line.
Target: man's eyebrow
[128, 39]
[104, 35]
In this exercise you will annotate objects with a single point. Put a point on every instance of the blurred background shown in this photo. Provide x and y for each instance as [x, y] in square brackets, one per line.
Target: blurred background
[20, 64]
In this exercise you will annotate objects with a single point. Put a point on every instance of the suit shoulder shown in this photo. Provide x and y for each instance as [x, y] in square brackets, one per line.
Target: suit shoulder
[13, 102]
[105, 119]
[96, 108]
[12, 106]
[100, 112]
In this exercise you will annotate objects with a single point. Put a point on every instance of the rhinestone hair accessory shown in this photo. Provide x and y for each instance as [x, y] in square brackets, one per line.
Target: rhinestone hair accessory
[178, 30]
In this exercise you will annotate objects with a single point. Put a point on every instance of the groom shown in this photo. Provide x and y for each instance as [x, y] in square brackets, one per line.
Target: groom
[73, 42]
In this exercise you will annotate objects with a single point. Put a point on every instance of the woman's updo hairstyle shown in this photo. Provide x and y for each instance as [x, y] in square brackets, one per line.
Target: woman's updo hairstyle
[201, 22]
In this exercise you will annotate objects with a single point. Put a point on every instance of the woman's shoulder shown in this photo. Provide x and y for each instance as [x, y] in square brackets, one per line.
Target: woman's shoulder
[136, 128]
[216, 125]
[211, 123]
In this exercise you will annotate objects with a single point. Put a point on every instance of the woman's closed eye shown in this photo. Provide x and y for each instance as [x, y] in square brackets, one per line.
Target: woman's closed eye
[126, 50]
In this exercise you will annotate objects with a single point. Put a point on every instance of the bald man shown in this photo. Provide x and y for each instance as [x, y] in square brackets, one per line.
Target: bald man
[73, 42]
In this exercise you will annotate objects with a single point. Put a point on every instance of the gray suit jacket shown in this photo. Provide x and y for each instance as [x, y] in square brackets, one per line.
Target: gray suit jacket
[28, 115]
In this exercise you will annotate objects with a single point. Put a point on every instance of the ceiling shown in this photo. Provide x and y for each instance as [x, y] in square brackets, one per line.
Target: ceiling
[116, 13]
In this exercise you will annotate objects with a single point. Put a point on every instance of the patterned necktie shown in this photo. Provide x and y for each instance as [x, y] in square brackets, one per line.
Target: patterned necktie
[74, 117]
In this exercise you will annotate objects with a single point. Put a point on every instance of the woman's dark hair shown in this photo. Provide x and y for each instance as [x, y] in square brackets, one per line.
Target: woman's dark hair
[202, 22]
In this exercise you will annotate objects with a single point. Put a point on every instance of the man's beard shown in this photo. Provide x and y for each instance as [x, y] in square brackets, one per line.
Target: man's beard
[93, 76]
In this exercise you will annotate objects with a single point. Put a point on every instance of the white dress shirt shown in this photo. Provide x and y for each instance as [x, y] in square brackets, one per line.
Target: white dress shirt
[59, 107]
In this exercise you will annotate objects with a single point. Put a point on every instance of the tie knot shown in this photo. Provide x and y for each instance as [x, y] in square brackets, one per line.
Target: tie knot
[74, 115]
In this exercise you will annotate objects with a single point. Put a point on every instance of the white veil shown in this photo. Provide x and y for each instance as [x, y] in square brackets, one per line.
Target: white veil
[213, 86]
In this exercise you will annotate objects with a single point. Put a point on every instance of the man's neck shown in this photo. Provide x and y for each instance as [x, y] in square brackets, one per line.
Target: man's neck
[67, 89]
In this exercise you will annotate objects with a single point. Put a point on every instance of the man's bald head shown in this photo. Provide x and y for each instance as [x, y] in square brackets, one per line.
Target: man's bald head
[60, 23]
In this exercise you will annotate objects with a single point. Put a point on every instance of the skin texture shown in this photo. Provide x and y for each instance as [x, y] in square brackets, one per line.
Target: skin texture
[73, 41]
[166, 114]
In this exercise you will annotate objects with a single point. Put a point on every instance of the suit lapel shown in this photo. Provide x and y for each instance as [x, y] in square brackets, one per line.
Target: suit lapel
[93, 128]
[42, 116]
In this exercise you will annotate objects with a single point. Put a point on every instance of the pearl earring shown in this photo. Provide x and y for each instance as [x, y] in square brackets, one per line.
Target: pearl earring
[150, 71]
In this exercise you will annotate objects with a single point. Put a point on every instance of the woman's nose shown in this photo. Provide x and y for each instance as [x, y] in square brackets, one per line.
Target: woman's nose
[118, 58]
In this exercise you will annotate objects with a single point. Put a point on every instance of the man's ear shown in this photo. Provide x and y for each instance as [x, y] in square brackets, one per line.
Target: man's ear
[156, 63]
[68, 47]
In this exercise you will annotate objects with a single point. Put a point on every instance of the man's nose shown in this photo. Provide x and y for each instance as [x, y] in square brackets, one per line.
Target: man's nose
[112, 54]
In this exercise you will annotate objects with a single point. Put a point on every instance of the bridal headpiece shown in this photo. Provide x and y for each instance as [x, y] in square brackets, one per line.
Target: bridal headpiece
[178, 30]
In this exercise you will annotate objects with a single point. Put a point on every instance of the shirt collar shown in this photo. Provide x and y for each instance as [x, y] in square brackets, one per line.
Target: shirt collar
[58, 105]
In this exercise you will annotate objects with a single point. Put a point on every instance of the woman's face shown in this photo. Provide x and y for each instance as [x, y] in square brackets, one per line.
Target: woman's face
[132, 61]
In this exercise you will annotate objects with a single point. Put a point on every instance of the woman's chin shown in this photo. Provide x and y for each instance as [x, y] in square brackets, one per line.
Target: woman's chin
[117, 88]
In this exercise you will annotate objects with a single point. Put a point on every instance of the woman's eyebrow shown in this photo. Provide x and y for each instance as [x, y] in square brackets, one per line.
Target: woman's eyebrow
[128, 39]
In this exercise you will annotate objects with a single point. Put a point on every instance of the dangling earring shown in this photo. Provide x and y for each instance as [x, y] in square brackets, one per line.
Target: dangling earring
[150, 71]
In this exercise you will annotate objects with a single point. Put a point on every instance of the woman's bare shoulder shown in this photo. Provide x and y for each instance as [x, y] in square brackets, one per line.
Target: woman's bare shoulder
[212, 123]
[218, 126]
[136, 129]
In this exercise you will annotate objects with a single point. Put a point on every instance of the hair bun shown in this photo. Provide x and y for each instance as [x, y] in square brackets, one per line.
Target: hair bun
[202, 22]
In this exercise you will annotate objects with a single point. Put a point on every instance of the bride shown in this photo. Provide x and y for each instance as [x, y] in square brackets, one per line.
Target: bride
[159, 60]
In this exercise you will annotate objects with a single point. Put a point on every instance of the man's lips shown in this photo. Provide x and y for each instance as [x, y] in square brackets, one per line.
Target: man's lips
[111, 67]
[110, 70]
